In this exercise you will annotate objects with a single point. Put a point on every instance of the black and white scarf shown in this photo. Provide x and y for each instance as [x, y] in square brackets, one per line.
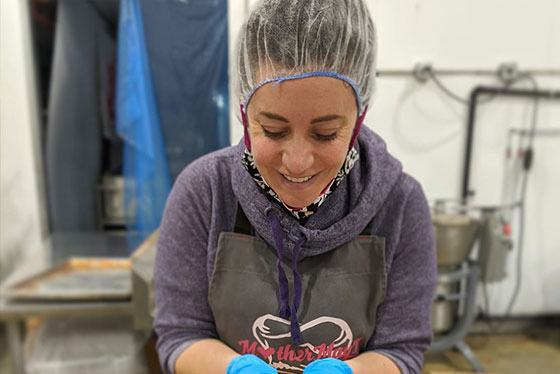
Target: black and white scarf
[249, 162]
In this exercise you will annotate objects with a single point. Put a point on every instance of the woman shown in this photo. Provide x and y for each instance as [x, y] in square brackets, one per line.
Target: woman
[305, 248]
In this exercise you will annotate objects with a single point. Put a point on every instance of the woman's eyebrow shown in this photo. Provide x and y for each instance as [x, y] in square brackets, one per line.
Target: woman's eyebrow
[274, 117]
[277, 117]
[326, 118]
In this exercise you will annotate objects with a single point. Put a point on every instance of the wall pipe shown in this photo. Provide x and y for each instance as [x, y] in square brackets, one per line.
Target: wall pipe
[460, 72]
[496, 91]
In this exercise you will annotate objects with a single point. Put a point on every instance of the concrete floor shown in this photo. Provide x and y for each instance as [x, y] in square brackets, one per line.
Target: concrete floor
[520, 353]
[534, 352]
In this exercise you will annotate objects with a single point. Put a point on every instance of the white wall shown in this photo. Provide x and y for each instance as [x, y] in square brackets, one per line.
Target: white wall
[22, 213]
[426, 130]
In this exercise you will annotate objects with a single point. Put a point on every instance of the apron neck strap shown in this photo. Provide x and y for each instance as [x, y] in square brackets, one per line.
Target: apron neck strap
[242, 224]
[368, 230]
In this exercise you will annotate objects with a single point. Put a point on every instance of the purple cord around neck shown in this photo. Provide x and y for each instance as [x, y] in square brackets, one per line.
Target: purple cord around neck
[284, 311]
[296, 298]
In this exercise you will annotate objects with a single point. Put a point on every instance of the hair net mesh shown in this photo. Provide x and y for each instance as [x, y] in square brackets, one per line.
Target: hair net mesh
[288, 37]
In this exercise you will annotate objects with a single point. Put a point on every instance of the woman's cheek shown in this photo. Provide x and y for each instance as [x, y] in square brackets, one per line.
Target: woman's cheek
[264, 151]
[336, 151]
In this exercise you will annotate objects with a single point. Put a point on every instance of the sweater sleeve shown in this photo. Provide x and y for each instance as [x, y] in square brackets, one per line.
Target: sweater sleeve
[404, 330]
[183, 315]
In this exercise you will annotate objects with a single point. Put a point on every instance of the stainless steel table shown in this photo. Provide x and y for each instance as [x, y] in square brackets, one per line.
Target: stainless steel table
[14, 313]
[55, 250]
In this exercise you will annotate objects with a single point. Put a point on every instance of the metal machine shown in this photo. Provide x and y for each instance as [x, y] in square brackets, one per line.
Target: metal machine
[457, 229]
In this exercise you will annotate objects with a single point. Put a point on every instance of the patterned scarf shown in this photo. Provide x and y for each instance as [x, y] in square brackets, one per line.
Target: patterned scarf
[249, 162]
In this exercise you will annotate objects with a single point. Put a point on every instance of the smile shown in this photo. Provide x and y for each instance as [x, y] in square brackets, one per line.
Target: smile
[297, 180]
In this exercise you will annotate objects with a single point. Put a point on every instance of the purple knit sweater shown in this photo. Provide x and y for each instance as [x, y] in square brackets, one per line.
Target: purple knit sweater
[203, 204]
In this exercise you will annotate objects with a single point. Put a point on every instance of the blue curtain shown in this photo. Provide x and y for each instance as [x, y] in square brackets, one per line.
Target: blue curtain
[147, 181]
[187, 44]
[172, 97]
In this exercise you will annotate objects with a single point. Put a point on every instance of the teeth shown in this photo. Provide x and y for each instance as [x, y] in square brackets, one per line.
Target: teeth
[297, 180]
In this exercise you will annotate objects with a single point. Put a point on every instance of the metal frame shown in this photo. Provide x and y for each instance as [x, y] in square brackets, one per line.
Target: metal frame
[455, 337]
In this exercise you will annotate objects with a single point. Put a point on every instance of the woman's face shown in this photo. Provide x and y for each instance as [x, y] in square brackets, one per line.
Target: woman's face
[300, 131]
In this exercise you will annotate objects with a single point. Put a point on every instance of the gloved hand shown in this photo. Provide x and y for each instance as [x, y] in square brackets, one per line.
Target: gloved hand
[328, 366]
[249, 364]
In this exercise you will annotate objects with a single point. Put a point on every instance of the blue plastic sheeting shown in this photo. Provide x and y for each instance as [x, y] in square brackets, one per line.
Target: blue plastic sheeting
[187, 46]
[147, 181]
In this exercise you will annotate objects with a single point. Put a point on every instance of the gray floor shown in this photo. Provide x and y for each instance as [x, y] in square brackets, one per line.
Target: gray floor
[534, 352]
[523, 353]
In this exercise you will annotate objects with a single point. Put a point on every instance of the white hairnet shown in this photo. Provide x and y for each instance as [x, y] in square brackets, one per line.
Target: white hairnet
[291, 37]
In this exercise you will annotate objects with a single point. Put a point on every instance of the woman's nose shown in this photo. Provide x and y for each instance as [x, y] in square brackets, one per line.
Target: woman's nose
[298, 158]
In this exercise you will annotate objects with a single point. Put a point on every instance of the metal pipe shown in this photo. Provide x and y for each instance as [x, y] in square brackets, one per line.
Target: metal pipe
[496, 91]
[487, 72]
[538, 132]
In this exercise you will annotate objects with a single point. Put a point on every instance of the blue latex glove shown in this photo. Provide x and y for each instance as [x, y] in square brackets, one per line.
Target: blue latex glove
[328, 366]
[249, 364]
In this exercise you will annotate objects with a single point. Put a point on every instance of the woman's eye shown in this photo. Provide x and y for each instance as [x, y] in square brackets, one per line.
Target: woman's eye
[272, 134]
[325, 138]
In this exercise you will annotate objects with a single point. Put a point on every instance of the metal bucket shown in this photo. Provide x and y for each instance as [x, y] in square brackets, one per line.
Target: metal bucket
[111, 208]
[444, 311]
[455, 236]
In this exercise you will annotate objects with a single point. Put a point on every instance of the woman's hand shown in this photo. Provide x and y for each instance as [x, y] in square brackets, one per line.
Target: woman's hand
[249, 364]
[328, 366]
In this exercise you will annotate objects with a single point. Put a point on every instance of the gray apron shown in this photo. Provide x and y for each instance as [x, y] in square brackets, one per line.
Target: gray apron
[342, 290]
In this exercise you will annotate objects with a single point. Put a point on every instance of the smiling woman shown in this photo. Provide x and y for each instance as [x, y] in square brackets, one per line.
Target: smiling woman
[300, 134]
[305, 248]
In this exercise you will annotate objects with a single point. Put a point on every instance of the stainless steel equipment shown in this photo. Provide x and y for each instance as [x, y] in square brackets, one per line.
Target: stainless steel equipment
[457, 229]
[110, 200]
[444, 310]
[455, 237]
[455, 232]
[495, 245]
